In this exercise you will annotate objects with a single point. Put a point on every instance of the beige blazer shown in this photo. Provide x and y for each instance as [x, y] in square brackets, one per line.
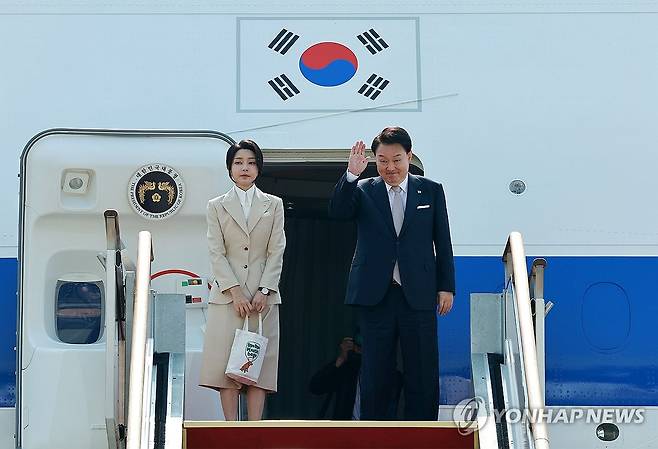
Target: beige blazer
[249, 256]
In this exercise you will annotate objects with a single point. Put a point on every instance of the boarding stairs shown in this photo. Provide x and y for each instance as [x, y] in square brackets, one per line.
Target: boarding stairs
[145, 368]
[507, 357]
[145, 358]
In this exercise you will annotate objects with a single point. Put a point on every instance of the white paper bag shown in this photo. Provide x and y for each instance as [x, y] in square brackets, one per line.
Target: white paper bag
[247, 354]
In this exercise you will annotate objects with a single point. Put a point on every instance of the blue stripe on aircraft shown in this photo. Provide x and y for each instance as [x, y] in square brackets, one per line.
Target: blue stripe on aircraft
[601, 344]
[8, 279]
[601, 347]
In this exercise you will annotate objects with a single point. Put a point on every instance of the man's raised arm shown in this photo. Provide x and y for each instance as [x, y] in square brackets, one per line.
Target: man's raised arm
[344, 203]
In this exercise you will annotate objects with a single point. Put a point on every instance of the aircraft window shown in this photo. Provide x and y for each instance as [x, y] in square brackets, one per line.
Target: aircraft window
[78, 312]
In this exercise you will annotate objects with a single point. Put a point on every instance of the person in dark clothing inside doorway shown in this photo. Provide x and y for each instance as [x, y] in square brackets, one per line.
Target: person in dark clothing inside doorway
[339, 380]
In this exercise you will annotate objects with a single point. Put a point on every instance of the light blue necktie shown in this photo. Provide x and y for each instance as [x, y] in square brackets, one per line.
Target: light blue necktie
[398, 218]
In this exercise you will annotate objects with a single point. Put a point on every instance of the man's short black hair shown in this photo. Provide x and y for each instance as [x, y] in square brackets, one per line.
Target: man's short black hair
[391, 135]
[246, 144]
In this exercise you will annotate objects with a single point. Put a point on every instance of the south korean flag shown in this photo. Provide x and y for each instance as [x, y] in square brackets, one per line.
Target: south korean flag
[324, 65]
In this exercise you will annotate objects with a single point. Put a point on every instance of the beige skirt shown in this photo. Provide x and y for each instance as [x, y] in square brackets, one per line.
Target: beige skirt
[221, 324]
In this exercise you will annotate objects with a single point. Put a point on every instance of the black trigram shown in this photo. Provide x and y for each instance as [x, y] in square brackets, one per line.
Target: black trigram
[283, 41]
[283, 87]
[372, 41]
[373, 87]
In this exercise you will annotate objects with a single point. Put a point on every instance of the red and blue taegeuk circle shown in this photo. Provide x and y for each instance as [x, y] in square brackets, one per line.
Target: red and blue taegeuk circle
[328, 64]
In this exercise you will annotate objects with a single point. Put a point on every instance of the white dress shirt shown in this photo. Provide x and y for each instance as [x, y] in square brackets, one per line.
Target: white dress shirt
[246, 197]
[403, 185]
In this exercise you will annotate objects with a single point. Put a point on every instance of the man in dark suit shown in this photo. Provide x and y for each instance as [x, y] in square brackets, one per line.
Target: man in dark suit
[401, 275]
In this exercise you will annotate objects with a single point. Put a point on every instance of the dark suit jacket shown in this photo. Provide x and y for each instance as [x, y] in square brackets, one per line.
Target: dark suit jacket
[423, 271]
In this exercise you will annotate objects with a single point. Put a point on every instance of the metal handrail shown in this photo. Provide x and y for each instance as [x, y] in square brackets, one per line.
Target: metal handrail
[536, 279]
[112, 233]
[139, 343]
[516, 269]
[115, 331]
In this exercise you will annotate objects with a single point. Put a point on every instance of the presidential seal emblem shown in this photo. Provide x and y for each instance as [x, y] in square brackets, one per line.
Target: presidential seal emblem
[156, 191]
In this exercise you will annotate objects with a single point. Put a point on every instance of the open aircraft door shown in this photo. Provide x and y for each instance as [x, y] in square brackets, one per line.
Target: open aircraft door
[158, 181]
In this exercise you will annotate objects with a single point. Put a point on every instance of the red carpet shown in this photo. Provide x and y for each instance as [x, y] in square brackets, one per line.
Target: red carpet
[296, 436]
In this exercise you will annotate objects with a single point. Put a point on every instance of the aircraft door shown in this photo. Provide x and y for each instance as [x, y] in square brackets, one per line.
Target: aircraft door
[156, 181]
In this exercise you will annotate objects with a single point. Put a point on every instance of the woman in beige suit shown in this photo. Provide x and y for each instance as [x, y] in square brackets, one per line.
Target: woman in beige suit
[246, 242]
